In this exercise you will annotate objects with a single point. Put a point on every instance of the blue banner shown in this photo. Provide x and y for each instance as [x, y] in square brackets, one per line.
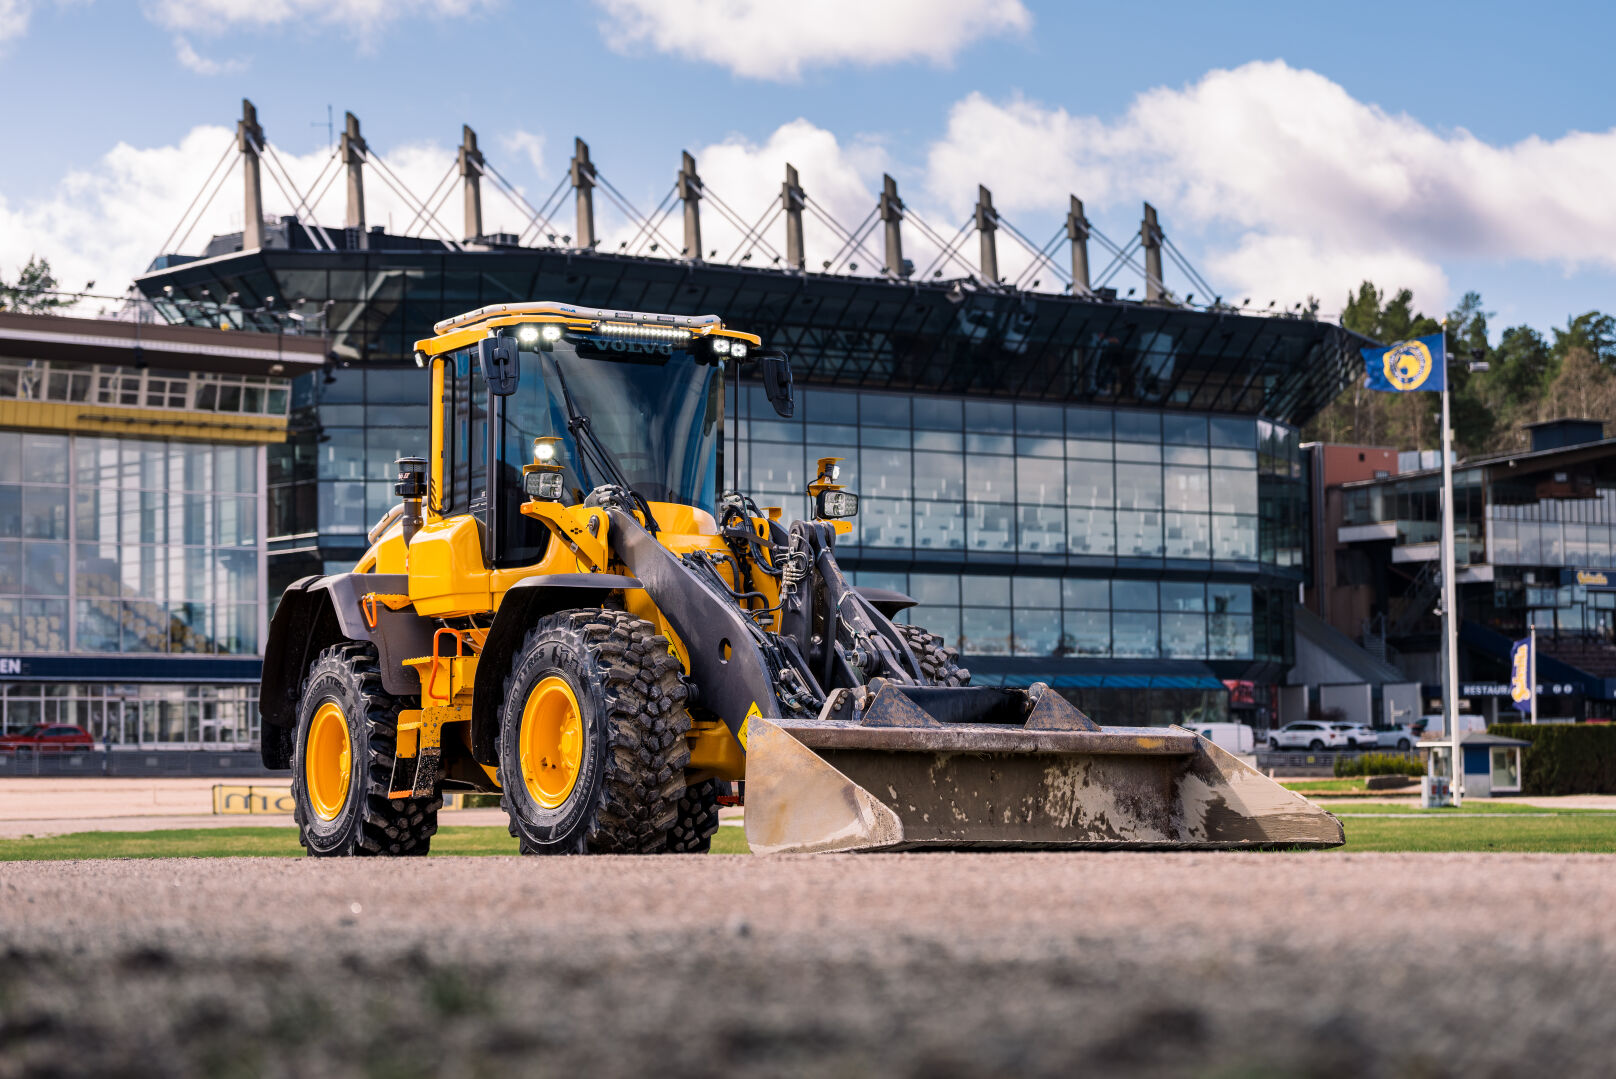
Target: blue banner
[1520, 675]
[1408, 366]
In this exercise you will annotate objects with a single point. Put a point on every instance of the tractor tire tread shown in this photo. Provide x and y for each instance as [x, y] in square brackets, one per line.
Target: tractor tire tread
[386, 826]
[693, 831]
[939, 664]
[640, 690]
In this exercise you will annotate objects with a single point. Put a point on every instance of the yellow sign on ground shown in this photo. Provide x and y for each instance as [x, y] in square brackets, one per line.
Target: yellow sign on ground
[242, 798]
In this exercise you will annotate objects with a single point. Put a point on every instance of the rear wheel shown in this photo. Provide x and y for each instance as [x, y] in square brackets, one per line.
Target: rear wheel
[342, 763]
[592, 744]
[1315, 745]
[939, 664]
[693, 832]
[1402, 743]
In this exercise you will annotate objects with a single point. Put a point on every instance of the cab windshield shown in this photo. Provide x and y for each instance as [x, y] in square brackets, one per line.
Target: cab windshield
[655, 408]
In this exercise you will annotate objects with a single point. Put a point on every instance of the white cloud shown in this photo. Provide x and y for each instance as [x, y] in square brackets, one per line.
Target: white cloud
[191, 60]
[527, 144]
[14, 18]
[1293, 186]
[778, 39]
[359, 17]
[106, 223]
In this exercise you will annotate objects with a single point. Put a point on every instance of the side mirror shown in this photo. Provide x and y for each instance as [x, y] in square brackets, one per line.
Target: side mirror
[776, 367]
[497, 355]
[835, 505]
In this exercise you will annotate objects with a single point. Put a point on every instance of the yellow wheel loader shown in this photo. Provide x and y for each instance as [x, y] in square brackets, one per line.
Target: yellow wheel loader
[564, 608]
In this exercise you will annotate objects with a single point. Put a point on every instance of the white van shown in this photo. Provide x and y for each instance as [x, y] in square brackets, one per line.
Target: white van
[1234, 737]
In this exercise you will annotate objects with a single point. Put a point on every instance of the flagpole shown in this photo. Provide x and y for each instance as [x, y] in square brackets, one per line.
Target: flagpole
[1531, 660]
[1450, 571]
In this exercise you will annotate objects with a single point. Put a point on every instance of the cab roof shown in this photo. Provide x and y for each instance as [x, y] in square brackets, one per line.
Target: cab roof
[452, 332]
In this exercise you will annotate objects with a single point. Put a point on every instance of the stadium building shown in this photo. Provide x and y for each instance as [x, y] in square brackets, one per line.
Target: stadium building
[1103, 493]
[133, 524]
[1535, 536]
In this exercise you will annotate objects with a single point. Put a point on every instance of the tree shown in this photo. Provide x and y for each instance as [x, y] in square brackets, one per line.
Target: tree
[1591, 332]
[35, 291]
[1527, 378]
[1364, 416]
[1583, 388]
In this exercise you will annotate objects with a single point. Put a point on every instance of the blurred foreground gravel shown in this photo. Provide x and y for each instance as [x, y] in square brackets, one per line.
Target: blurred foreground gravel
[934, 965]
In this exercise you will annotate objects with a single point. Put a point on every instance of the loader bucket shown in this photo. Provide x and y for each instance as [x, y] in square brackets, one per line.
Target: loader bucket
[899, 778]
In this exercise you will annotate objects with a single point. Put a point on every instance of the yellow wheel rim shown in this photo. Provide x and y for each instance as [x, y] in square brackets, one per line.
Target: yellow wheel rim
[328, 761]
[550, 744]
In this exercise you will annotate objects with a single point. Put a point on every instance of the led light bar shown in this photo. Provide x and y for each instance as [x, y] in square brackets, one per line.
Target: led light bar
[662, 335]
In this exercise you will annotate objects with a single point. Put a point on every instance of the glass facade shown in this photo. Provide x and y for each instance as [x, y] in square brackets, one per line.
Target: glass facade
[115, 545]
[1580, 533]
[338, 469]
[1052, 531]
[130, 387]
[1035, 484]
[1007, 520]
[167, 715]
[1414, 504]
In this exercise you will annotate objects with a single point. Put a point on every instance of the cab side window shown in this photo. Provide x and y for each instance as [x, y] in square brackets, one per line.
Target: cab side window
[465, 435]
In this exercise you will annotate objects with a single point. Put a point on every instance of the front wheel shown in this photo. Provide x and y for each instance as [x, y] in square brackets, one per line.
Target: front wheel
[1273, 744]
[592, 746]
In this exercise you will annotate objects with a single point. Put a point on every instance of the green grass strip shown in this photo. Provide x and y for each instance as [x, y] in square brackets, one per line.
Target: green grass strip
[451, 840]
[1488, 827]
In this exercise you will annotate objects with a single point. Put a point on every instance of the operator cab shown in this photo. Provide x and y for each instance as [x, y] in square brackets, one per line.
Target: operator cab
[623, 399]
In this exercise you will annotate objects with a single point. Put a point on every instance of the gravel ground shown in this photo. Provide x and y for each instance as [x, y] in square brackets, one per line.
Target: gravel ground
[934, 965]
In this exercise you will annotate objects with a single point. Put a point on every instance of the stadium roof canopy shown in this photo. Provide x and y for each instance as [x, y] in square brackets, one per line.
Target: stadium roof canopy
[942, 336]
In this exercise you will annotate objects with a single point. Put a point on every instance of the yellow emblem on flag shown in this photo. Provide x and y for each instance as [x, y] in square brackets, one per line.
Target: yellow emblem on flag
[1520, 685]
[1408, 365]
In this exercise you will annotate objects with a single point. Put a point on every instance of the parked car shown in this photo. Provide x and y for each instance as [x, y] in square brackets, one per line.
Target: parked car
[1358, 735]
[1235, 737]
[1307, 735]
[1400, 737]
[48, 738]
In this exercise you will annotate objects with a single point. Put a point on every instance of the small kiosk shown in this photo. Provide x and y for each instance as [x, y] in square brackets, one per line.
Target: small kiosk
[1492, 764]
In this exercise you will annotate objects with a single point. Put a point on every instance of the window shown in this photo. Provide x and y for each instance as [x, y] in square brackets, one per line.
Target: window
[465, 437]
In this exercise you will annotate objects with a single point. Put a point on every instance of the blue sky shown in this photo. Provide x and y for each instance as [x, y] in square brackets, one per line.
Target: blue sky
[1291, 149]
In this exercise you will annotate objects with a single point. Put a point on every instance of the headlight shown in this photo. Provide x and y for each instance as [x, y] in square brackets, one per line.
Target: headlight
[527, 335]
[738, 350]
[721, 346]
[550, 332]
[835, 505]
[545, 486]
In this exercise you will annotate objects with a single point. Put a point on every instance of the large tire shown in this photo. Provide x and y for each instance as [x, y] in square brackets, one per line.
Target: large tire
[614, 784]
[693, 831]
[939, 664]
[366, 822]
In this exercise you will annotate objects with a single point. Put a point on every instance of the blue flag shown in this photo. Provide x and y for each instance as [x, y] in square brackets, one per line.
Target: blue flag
[1420, 364]
[1520, 675]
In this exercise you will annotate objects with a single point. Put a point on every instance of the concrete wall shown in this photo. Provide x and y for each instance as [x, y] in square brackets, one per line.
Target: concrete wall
[1399, 703]
[1292, 704]
[1352, 701]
